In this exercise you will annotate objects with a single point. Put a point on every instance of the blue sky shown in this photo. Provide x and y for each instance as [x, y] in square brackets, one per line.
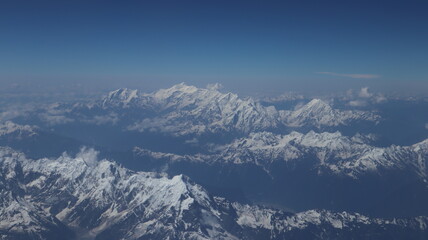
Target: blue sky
[257, 45]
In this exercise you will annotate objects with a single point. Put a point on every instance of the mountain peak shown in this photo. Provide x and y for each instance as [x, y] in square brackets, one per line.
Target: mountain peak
[317, 104]
[121, 96]
[319, 113]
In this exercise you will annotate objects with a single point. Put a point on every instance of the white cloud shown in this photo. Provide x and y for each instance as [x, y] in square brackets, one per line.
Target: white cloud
[426, 126]
[193, 141]
[359, 76]
[215, 86]
[55, 119]
[380, 99]
[89, 155]
[357, 103]
[111, 118]
[10, 114]
[364, 93]
[363, 97]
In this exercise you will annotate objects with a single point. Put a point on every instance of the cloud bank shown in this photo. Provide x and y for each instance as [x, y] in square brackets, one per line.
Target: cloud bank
[363, 97]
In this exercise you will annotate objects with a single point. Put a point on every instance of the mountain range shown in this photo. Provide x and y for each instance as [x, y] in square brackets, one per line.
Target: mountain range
[197, 163]
[187, 110]
[82, 197]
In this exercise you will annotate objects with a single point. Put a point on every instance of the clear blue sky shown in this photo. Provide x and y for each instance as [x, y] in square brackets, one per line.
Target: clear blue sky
[259, 44]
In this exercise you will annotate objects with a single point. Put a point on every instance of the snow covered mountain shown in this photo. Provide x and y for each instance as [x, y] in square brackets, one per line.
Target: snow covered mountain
[305, 171]
[187, 110]
[10, 128]
[338, 154]
[45, 198]
[214, 111]
[318, 113]
[20, 219]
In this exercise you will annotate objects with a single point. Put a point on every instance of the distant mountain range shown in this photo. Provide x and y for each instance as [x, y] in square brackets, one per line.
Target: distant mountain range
[184, 110]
